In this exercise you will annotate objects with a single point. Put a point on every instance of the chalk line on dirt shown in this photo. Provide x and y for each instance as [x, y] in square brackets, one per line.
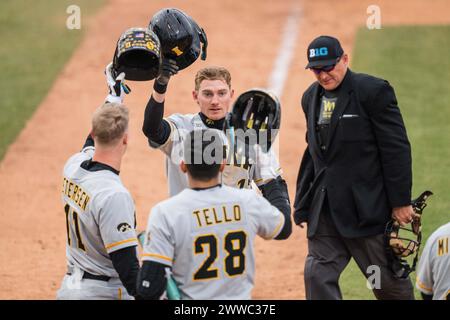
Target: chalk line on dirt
[285, 53]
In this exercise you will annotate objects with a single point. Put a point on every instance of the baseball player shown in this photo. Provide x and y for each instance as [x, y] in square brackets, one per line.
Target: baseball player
[100, 214]
[182, 41]
[433, 272]
[213, 94]
[205, 233]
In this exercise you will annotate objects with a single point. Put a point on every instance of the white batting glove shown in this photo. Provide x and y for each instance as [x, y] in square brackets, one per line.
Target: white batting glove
[116, 85]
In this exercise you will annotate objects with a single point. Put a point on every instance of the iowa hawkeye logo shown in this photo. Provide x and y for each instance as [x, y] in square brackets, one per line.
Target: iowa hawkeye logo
[124, 227]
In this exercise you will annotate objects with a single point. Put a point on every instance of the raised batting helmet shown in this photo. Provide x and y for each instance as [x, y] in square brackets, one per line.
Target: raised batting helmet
[138, 54]
[256, 112]
[180, 36]
[402, 242]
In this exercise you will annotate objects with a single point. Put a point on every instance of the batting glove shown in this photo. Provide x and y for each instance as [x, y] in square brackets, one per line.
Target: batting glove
[167, 69]
[116, 85]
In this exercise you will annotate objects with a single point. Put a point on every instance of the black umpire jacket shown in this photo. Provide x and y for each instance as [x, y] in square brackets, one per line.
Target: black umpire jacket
[366, 169]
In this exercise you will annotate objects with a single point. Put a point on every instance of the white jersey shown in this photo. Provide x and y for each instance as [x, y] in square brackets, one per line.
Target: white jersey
[207, 237]
[100, 216]
[433, 271]
[264, 169]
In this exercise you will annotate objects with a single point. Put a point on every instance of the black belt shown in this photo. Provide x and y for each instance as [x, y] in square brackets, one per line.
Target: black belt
[90, 276]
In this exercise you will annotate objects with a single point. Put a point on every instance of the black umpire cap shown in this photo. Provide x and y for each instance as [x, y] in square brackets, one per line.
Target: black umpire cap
[323, 51]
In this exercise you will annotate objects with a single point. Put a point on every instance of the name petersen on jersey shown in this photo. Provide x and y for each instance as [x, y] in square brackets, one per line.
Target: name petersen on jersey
[74, 192]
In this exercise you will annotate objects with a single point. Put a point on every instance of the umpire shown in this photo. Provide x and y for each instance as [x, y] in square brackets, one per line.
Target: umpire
[354, 176]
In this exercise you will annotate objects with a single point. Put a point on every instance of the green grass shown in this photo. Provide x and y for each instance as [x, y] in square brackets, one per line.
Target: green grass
[415, 60]
[35, 46]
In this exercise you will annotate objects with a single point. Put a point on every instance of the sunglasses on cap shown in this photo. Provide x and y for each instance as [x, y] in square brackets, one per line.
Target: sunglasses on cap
[328, 68]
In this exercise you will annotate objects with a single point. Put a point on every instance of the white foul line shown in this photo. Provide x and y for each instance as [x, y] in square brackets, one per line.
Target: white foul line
[283, 60]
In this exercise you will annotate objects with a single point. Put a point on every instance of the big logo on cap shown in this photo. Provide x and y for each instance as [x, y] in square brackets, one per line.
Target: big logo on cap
[318, 52]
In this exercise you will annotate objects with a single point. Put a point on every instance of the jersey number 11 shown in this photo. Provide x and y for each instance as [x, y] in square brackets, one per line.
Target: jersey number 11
[73, 223]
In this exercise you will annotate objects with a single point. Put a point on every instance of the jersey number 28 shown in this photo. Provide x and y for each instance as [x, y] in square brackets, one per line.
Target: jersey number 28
[234, 244]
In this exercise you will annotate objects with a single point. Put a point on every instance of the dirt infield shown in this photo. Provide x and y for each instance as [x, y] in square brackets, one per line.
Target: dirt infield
[243, 36]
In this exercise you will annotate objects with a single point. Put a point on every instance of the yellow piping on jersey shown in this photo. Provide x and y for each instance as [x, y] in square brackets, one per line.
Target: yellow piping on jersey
[115, 244]
[422, 286]
[120, 293]
[264, 181]
[277, 229]
[157, 256]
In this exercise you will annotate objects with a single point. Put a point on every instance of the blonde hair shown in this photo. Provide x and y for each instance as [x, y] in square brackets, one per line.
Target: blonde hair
[109, 123]
[212, 73]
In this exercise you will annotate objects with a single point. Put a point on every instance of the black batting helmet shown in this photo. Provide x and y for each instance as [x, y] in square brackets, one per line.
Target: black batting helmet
[138, 54]
[180, 36]
[259, 110]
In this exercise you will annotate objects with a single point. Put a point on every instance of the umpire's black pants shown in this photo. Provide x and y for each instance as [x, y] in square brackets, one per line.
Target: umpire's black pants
[329, 254]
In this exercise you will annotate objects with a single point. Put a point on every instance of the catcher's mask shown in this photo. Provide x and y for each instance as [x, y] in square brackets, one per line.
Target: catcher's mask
[180, 36]
[257, 113]
[400, 245]
[402, 242]
[138, 54]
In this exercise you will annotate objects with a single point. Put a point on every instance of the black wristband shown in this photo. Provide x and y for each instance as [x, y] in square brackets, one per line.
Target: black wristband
[160, 88]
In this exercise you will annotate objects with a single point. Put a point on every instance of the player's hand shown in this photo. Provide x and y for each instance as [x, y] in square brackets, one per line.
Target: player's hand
[167, 69]
[116, 85]
[301, 218]
[403, 215]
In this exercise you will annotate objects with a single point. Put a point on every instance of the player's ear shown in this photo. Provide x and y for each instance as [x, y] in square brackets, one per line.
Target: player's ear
[222, 166]
[231, 97]
[345, 58]
[125, 138]
[195, 95]
[183, 166]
